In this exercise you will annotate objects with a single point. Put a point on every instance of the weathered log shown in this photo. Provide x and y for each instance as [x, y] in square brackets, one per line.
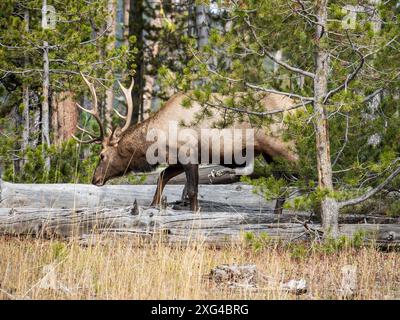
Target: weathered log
[174, 226]
[213, 198]
[82, 195]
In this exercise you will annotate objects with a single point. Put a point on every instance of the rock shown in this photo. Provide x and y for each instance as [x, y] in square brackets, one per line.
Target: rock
[297, 287]
[235, 275]
[348, 286]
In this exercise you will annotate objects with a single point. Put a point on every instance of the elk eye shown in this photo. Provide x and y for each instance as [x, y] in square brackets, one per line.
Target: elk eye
[102, 156]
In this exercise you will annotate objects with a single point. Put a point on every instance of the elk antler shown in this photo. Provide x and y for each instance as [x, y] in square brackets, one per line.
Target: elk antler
[128, 97]
[94, 112]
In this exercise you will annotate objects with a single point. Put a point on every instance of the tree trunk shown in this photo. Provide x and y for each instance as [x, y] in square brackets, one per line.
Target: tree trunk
[25, 93]
[149, 79]
[329, 206]
[45, 104]
[202, 25]
[111, 24]
[25, 117]
[45, 114]
[191, 21]
[136, 23]
[127, 5]
[35, 125]
[64, 116]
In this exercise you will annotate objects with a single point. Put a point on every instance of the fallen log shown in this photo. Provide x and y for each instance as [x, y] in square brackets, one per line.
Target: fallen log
[84, 195]
[175, 226]
[213, 198]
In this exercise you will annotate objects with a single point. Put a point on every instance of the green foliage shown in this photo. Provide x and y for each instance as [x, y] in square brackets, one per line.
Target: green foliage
[257, 242]
[394, 209]
[59, 250]
[299, 251]
[302, 250]
[269, 187]
[331, 245]
[67, 163]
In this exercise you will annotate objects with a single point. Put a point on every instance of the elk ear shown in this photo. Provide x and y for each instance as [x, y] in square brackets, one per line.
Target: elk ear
[115, 136]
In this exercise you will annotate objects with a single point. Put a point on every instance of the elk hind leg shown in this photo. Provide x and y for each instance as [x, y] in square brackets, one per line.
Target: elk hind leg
[166, 175]
[192, 182]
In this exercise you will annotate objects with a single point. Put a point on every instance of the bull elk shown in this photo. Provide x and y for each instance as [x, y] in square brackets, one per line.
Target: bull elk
[124, 149]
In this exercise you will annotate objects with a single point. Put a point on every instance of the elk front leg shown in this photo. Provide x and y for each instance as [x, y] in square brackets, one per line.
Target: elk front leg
[184, 195]
[166, 175]
[192, 183]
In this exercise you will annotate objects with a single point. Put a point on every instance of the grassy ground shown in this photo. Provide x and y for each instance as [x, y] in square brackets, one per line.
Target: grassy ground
[131, 269]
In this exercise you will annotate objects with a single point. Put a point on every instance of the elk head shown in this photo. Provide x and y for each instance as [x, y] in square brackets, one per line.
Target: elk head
[112, 162]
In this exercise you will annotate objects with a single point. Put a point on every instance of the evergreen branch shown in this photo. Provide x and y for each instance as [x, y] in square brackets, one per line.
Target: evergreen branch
[250, 85]
[372, 95]
[346, 139]
[349, 78]
[272, 57]
[282, 93]
[256, 113]
[12, 47]
[353, 75]
[373, 191]
[94, 40]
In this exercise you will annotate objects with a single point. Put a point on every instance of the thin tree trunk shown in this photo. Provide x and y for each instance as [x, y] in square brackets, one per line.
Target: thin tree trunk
[202, 25]
[25, 93]
[45, 90]
[45, 104]
[35, 125]
[127, 5]
[136, 23]
[154, 44]
[191, 21]
[25, 118]
[109, 92]
[202, 29]
[329, 206]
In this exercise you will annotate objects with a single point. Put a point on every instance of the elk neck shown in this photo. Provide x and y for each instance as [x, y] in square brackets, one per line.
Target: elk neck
[132, 147]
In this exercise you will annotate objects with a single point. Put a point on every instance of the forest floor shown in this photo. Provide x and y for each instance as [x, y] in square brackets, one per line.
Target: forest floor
[120, 268]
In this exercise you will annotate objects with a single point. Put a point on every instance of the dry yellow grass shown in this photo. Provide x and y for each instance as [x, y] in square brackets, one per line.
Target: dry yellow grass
[132, 269]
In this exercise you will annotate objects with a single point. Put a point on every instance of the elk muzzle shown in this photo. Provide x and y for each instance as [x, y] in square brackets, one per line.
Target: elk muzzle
[98, 181]
[98, 178]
